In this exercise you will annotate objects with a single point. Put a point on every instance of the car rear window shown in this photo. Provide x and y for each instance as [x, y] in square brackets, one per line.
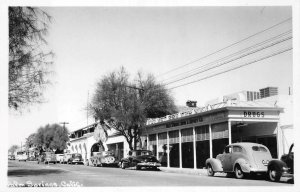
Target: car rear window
[259, 148]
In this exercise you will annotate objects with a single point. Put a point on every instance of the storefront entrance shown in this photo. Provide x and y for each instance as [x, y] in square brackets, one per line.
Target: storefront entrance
[117, 148]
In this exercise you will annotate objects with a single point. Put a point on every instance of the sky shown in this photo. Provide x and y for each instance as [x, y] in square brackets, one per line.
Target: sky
[90, 42]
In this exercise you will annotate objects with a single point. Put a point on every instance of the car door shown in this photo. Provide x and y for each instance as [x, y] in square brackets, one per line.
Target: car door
[226, 161]
[237, 152]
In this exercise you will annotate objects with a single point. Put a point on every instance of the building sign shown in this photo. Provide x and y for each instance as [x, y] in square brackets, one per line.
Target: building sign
[254, 114]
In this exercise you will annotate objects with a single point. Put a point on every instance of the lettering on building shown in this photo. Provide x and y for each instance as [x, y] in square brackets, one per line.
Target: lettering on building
[255, 114]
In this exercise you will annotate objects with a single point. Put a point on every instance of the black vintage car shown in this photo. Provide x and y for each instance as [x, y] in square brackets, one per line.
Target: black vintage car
[283, 167]
[139, 159]
[76, 158]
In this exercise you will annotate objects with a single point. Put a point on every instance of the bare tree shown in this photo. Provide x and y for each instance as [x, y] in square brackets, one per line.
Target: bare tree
[126, 105]
[29, 59]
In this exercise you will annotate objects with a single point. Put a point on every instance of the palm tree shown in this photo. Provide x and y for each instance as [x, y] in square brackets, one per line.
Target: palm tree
[100, 133]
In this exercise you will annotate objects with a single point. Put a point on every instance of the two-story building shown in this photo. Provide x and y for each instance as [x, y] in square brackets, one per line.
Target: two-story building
[83, 141]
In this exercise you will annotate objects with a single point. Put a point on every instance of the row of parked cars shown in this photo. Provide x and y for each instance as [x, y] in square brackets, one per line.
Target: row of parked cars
[242, 159]
[239, 159]
[50, 157]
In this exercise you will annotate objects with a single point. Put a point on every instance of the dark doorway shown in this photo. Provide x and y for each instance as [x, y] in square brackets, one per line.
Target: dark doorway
[187, 155]
[218, 146]
[97, 147]
[202, 152]
[174, 155]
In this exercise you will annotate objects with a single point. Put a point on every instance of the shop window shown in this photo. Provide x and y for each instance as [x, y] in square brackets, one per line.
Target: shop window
[218, 146]
[202, 153]
[220, 130]
[162, 149]
[202, 133]
[187, 148]
[271, 143]
[174, 155]
[187, 135]
[174, 148]
[187, 155]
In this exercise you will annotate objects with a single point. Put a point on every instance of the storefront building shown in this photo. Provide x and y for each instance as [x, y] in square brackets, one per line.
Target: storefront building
[187, 139]
[83, 141]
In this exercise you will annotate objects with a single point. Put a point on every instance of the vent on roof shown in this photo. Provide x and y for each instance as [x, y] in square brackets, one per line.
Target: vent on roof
[190, 103]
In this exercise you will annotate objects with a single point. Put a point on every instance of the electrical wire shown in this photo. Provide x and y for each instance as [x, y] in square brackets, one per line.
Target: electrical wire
[260, 59]
[229, 56]
[244, 55]
[235, 43]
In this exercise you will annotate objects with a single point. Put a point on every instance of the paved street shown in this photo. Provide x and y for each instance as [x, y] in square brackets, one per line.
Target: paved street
[74, 175]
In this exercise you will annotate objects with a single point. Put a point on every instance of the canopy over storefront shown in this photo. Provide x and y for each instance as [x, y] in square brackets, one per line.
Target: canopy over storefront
[187, 138]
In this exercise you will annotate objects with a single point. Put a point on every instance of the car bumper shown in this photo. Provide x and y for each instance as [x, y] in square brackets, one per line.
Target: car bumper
[77, 161]
[286, 172]
[149, 164]
[259, 170]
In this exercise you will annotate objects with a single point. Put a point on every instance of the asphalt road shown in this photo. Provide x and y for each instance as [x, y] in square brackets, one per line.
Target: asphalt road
[32, 173]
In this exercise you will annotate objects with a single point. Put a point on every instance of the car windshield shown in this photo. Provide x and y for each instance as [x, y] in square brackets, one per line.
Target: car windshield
[77, 155]
[259, 148]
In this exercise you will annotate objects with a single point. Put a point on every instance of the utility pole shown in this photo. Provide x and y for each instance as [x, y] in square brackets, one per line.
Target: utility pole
[64, 123]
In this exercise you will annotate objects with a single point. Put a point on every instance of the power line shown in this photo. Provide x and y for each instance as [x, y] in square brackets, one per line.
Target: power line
[226, 47]
[244, 55]
[260, 59]
[229, 56]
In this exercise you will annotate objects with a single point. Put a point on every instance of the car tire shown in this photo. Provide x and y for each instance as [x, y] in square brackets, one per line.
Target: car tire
[239, 174]
[274, 174]
[137, 167]
[123, 165]
[210, 171]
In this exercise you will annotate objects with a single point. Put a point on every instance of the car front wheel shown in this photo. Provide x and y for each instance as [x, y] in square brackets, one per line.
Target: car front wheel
[239, 174]
[274, 174]
[210, 171]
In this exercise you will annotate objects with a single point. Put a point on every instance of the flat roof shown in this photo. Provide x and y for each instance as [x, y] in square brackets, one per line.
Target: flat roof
[223, 106]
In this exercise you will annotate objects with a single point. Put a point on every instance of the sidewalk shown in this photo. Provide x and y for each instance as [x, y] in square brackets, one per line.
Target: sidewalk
[189, 171]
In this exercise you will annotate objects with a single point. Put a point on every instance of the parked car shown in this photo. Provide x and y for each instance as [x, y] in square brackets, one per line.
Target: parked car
[32, 158]
[11, 157]
[76, 158]
[22, 156]
[47, 157]
[59, 157]
[283, 167]
[240, 159]
[139, 159]
[66, 158]
[104, 158]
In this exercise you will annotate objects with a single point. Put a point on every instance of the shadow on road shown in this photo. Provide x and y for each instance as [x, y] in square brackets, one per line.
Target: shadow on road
[28, 172]
[254, 177]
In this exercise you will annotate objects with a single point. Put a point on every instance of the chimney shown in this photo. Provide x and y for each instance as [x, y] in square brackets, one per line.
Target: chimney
[190, 103]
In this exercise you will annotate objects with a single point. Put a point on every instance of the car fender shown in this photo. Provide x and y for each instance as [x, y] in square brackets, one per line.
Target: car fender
[245, 166]
[125, 160]
[215, 163]
[277, 164]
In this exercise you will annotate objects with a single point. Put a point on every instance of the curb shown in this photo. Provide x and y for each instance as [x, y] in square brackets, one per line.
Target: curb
[184, 171]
